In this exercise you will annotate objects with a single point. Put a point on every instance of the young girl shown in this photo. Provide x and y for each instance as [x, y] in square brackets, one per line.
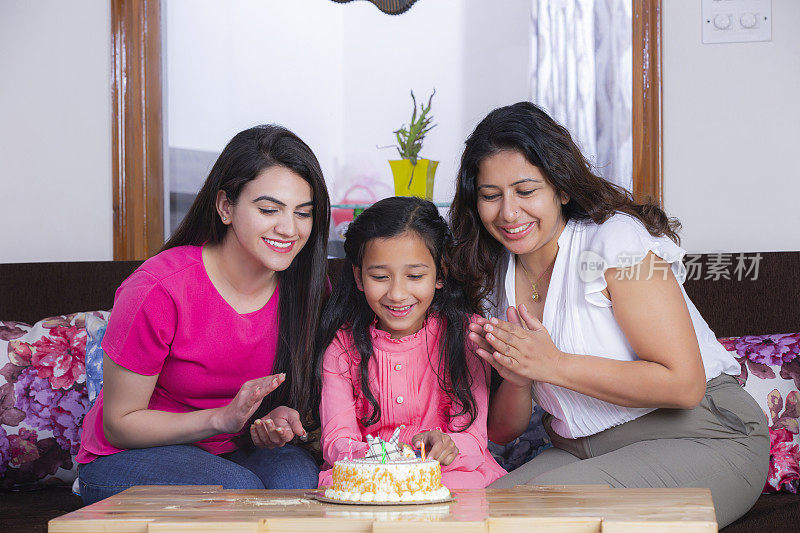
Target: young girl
[395, 331]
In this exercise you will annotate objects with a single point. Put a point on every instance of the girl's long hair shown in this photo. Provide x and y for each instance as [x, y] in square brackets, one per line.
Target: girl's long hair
[302, 285]
[348, 308]
[526, 128]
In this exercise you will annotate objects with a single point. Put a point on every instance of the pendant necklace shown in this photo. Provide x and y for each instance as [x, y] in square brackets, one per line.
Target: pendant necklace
[535, 293]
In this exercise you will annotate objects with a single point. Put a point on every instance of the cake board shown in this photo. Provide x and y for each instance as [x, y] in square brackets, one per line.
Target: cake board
[320, 496]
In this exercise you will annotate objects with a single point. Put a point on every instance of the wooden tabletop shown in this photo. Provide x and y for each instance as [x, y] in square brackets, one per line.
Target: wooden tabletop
[594, 508]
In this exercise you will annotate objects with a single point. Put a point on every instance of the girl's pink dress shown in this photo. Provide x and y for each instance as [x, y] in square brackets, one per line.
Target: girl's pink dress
[403, 379]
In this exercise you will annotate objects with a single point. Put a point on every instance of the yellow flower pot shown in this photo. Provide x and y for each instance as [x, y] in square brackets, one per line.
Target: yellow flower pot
[414, 180]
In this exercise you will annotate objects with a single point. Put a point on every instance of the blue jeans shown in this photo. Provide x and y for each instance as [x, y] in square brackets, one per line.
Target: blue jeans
[288, 467]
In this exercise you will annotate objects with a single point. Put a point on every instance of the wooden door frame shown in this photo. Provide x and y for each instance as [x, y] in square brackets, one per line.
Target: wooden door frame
[137, 129]
[137, 144]
[648, 164]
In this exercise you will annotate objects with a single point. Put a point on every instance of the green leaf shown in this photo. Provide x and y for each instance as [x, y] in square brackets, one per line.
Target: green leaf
[409, 138]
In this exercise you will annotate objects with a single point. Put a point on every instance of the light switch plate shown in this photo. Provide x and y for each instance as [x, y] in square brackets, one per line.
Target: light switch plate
[737, 21]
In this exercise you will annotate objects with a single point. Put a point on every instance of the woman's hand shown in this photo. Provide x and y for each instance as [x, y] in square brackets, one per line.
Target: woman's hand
[233, 417]
[442, 448]
[484, 350]
[280, 426]
[519, 354]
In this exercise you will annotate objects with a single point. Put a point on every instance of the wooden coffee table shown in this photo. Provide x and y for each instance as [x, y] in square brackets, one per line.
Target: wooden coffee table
[157, 509]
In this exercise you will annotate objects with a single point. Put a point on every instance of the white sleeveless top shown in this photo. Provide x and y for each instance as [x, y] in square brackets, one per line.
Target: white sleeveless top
[580, 319]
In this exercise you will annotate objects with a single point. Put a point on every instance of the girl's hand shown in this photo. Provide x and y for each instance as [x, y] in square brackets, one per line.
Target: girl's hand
[441, 446]
[233, 417]
[521, 355]
[280, 426]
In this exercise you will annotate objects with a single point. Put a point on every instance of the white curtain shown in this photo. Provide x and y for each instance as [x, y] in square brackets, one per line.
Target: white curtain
[581, 73]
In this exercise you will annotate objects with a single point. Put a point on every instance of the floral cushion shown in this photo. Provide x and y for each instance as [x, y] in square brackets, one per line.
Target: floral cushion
[95, 329]
[771, 374]
[43, 399]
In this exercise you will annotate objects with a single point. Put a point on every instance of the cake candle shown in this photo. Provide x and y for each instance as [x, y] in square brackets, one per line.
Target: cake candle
[383, 456]
[422, 449]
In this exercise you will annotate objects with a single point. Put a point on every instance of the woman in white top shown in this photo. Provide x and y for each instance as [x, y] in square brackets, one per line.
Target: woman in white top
[587, 316]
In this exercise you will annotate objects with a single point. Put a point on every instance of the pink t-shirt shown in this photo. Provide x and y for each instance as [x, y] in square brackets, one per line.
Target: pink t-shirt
[169, 319]
[403, 376]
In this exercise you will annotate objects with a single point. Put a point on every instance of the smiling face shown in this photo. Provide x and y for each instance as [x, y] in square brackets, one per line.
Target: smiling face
[272, 219]
[517, 205]
[398, 278]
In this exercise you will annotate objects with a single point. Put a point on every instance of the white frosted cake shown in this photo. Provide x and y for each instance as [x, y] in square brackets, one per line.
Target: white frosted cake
[396, 480]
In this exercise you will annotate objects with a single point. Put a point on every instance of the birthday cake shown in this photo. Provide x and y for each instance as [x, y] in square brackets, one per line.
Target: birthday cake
[387, 474]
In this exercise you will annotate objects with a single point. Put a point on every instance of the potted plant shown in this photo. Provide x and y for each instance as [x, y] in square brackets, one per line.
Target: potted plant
[413, 176]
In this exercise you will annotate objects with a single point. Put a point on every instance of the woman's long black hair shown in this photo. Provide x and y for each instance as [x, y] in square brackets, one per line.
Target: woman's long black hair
[526, 128]
[348, 308]
[302, 285]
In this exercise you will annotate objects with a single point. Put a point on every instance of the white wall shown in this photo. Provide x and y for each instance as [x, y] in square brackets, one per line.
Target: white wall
[731, 114]
[732, 133]
[340, 76]
[55, 131]
[55, 102]
[235, 64]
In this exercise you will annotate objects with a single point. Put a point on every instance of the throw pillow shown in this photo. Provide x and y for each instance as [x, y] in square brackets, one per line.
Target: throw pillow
[43, 399]
[771, 374]
[95, 329]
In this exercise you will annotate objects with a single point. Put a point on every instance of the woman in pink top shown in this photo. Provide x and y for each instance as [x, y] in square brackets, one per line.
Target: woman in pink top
[205, 338]
[395, 331]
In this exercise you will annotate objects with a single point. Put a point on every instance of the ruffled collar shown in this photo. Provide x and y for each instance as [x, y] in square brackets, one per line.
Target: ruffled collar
[429, 330]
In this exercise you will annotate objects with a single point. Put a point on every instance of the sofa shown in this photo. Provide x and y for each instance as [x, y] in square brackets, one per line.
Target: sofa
[749, 300]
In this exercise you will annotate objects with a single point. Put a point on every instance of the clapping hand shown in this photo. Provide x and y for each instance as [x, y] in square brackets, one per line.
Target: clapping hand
[520, 354]
[232, 417]
[280, 426]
